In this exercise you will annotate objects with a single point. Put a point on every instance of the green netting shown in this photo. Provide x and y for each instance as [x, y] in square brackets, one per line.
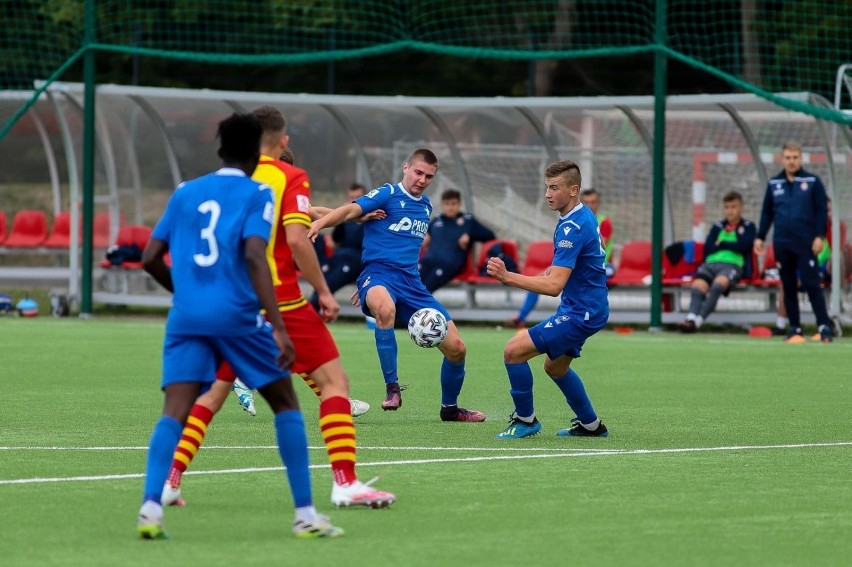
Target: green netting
[760, 46]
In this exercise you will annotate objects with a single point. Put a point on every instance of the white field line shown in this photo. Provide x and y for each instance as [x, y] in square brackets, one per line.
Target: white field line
[317, 448]
[456, 460]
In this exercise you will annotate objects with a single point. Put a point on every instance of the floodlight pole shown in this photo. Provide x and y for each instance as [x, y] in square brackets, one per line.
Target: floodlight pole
[659, 165]
[88, 208]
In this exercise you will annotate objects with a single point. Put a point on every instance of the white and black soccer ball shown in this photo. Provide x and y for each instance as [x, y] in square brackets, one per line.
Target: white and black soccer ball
[428, 327]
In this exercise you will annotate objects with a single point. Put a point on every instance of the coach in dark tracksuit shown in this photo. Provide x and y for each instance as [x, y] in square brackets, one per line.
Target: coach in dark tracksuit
[796, 202]
[448, 241]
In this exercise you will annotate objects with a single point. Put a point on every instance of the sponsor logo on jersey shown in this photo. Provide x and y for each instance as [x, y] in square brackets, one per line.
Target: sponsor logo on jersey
[402, 204]
[405, 224]
[565, 244]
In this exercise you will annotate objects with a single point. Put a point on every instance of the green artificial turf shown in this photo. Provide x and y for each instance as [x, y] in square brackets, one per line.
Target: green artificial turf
[723, 450]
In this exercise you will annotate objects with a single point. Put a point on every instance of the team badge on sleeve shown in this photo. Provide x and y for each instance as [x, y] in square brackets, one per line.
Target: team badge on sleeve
[303, 204]
[268, 212]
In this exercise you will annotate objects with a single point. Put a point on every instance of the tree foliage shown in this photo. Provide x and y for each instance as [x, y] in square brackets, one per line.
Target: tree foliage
[431, 47]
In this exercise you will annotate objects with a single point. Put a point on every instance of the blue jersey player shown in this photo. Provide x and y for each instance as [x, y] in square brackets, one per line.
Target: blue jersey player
[579, 275]
[216, 229]
[389, 287]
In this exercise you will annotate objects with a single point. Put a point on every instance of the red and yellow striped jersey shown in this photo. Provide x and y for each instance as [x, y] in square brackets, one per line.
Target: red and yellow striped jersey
[292, 190]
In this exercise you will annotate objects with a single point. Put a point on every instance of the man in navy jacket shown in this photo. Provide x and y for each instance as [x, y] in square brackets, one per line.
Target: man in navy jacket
[448, 241]
[795, 201]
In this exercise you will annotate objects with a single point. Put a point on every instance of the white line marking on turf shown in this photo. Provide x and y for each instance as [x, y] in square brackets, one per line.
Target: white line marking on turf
[457, 460]
[315, 448]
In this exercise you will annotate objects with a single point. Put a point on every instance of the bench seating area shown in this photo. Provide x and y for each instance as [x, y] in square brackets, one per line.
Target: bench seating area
[634, 272]
[29, 231]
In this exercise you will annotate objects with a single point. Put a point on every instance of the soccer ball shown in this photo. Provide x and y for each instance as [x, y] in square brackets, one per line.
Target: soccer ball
[427, 327]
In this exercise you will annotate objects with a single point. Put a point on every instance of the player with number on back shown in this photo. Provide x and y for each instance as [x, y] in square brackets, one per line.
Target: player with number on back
[317, 358]
[579, 275]
[389, 286]
[216, 228]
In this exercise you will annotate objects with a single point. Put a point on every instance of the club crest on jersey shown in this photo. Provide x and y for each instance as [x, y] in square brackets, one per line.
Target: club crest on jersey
[804, 186]
[303, 203]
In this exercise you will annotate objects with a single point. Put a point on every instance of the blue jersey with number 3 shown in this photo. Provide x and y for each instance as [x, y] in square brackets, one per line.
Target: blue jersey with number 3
[577, 245]
[205, 226]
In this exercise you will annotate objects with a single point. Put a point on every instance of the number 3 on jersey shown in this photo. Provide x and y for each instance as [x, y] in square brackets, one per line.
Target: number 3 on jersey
[207, 234]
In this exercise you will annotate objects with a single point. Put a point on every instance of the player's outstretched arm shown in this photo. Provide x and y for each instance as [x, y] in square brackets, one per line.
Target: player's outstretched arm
[154, 264]
[261, 280]
[318, 212]
[551, 282]
[334, 218]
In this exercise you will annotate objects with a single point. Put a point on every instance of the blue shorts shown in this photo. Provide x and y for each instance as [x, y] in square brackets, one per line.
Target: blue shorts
[407, 291]
[195, 358]
[562, 334]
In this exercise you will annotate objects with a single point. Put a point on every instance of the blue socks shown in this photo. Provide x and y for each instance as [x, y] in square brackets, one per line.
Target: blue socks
[161, 449]
[529, 304]
[293, 449]
[521, 383]
[575, 395]
[387, 349]
[452, 378]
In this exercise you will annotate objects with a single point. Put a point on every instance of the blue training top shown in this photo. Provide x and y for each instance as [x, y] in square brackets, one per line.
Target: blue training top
[206, 223]
[577, 245]
[395, 241]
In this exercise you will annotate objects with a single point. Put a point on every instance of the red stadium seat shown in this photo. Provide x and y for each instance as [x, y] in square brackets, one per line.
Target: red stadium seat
[682, 272]
[468, 271]
[29, 230]
[60, 233]
[634, 264]
[128, 236]
[2, 227]
[769, 263]
[101, 229]
[510, 249]
[539, 257]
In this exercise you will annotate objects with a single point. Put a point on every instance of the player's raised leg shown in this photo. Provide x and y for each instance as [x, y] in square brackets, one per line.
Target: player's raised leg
[383, 308]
